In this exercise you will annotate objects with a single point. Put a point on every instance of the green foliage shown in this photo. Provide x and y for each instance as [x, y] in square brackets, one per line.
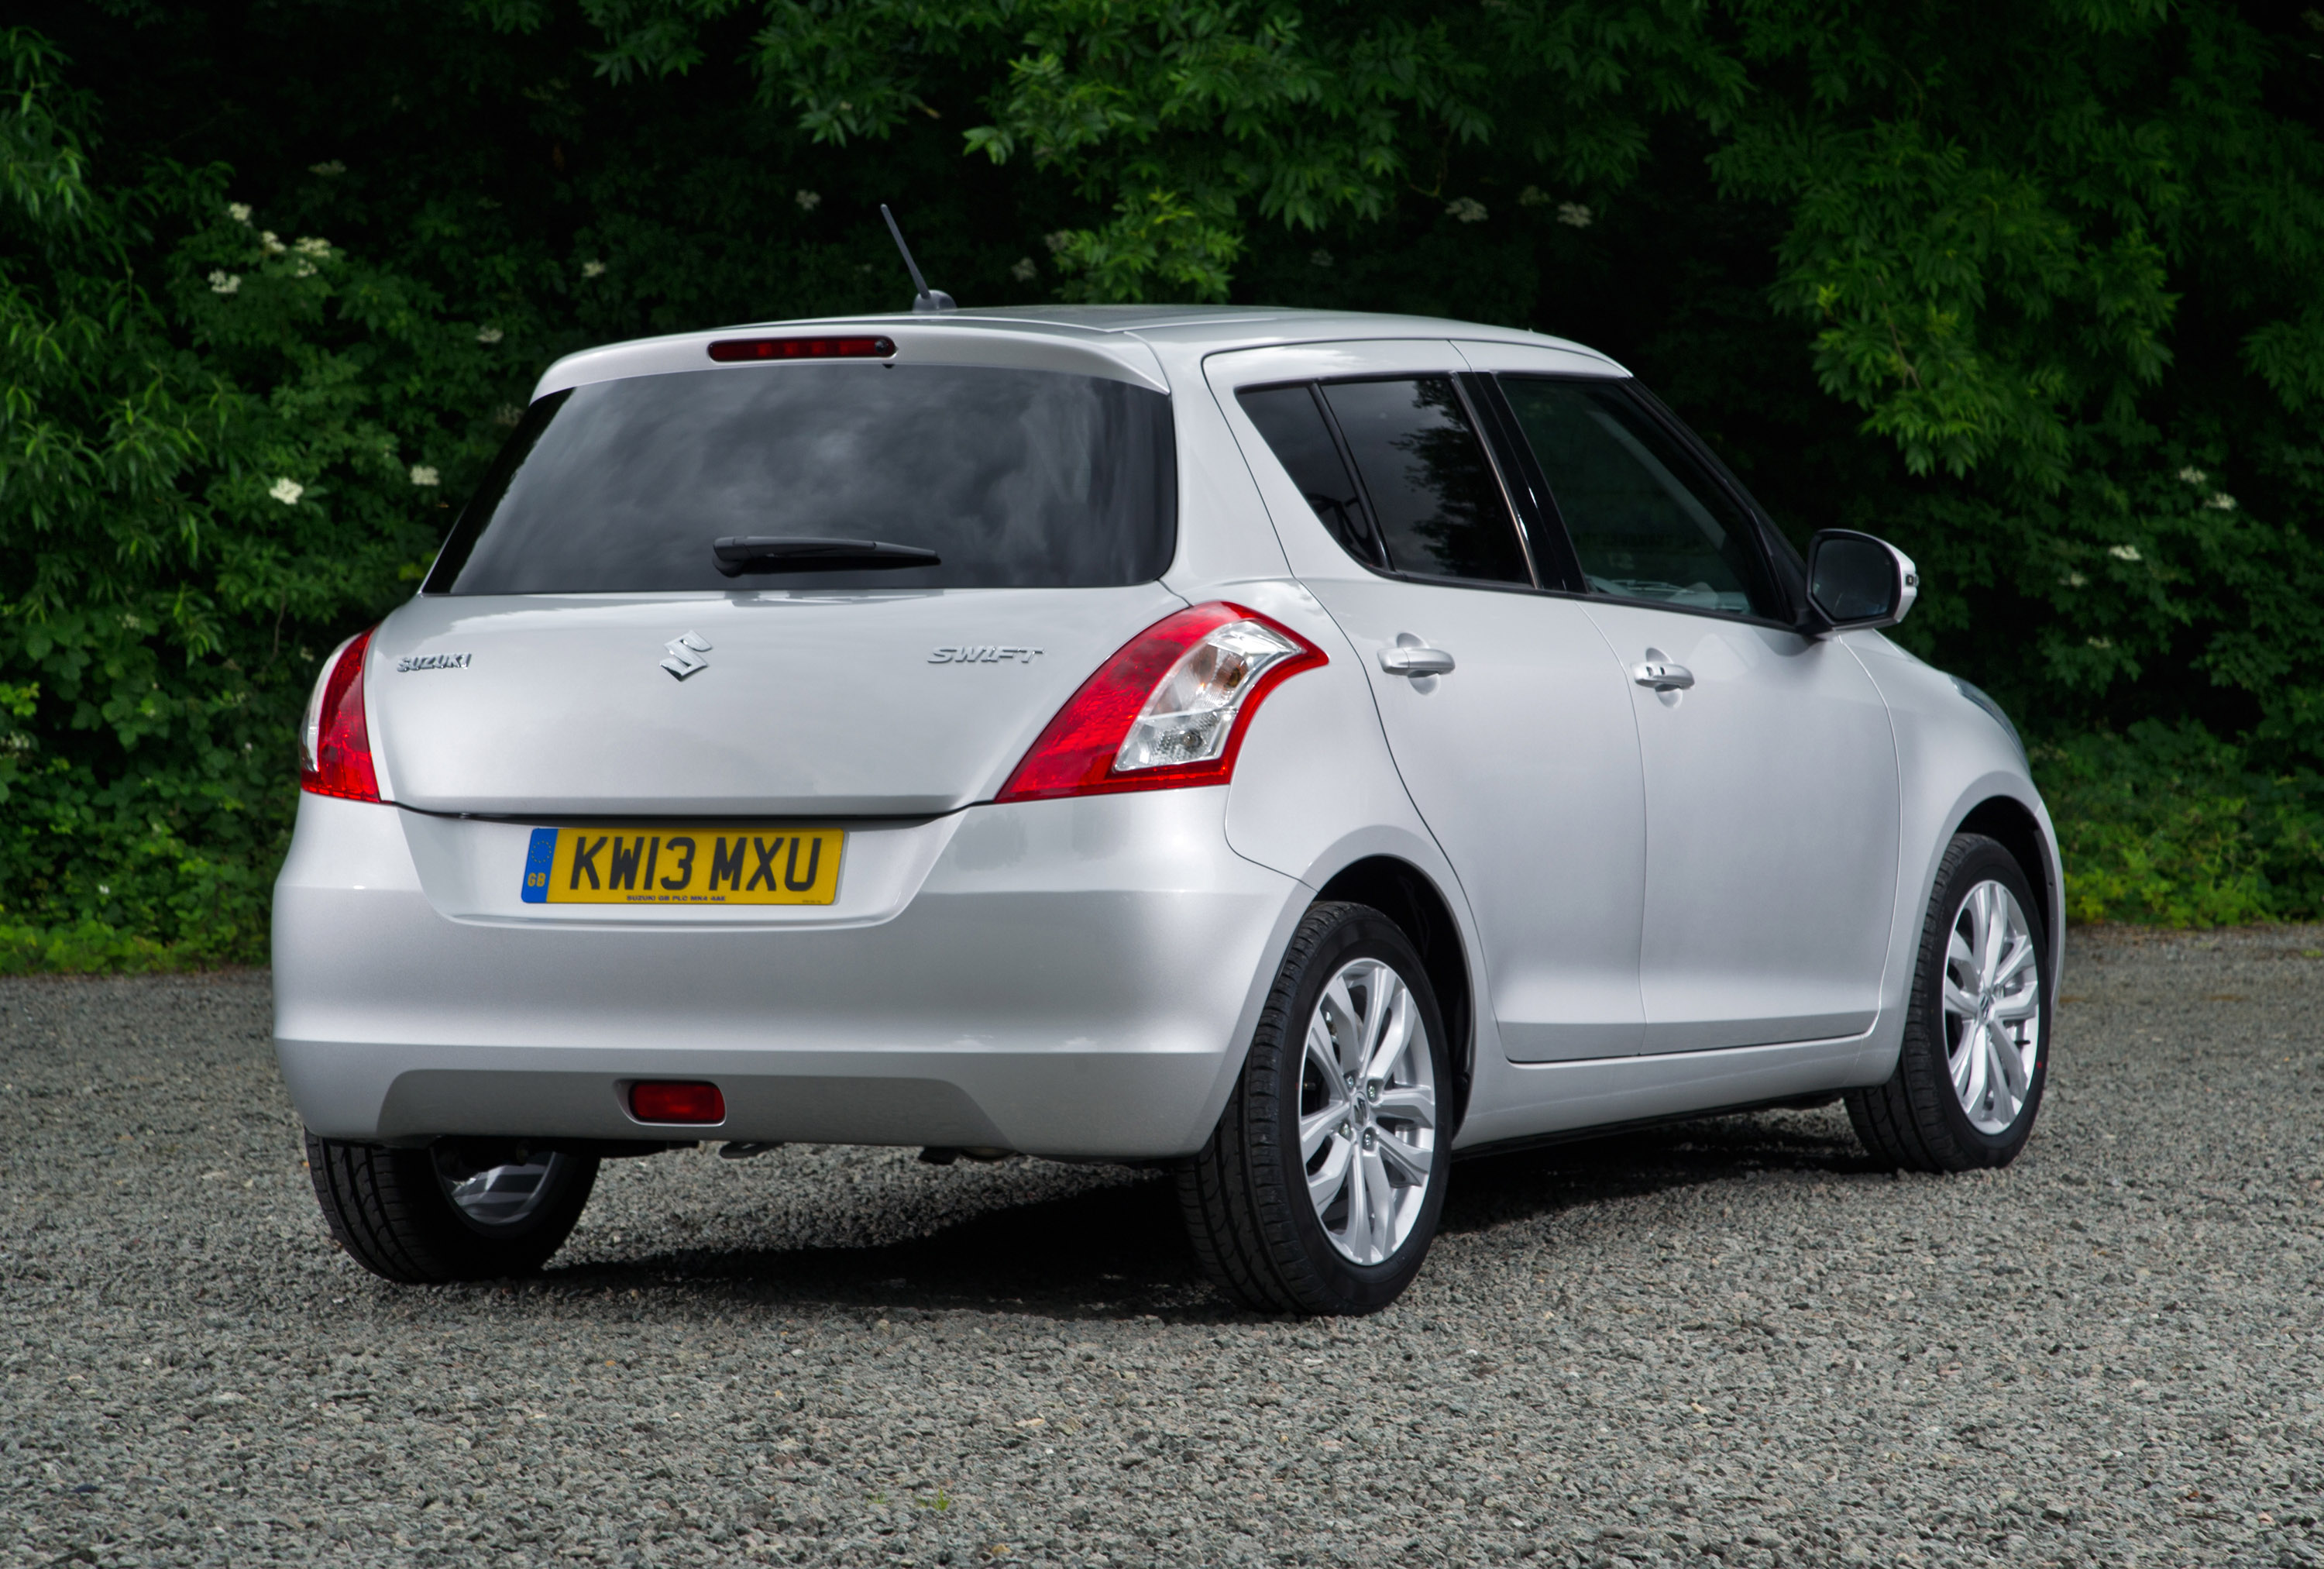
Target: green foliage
[2169, 823]
[94, 948]
[2031, 290]
[211, 459]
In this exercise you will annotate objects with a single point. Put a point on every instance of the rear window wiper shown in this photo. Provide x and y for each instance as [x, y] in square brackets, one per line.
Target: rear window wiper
[739, 553]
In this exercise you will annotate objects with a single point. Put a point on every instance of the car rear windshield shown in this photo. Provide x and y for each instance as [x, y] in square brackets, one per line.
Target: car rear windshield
[1015, 478]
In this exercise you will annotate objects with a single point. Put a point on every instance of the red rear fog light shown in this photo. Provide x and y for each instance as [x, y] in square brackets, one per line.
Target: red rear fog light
[664, 1101]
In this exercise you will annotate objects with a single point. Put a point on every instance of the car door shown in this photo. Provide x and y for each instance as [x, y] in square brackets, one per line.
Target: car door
[1769, 763]
[1519, 750]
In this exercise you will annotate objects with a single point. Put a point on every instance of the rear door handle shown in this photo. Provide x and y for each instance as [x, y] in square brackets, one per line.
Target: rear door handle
[1412, 657]
[1663, 676]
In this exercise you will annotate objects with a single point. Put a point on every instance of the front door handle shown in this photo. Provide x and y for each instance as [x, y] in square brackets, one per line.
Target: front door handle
[1662, 674]
[1412, 657]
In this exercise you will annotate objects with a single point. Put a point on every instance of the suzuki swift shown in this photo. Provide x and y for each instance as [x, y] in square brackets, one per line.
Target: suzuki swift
[1293, 749]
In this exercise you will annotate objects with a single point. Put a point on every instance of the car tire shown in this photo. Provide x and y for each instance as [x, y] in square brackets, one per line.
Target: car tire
[429, 1217]
[1953, 1104]
[1267, 1224]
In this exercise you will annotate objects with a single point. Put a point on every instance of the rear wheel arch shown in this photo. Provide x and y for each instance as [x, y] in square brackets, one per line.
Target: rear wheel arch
[1408, 897]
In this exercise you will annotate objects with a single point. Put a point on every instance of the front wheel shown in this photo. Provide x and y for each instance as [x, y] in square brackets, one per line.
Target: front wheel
[1976, 1054]
[459, 1211]
[1319, 1189]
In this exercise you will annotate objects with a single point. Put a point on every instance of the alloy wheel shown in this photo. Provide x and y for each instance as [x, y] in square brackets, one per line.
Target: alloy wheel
[1367, 1111]
[493, 1197]
[1992, 1006]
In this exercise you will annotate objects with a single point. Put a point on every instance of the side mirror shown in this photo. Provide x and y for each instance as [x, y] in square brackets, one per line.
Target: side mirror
[1855, 580]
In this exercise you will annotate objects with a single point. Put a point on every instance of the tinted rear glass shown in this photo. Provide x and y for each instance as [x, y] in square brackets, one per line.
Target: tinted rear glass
[1294, 427]
[1433, 495]
[1021, 479]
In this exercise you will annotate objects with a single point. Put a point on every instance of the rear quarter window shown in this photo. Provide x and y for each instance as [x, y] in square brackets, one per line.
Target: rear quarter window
[1015, 478]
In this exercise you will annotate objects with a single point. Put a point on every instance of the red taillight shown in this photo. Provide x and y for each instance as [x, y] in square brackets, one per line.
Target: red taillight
[335, 742]
[1169, 709]
[803, 348]
[664, 1101]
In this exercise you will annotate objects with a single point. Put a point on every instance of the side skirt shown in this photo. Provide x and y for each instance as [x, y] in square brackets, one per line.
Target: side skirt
[1522, 1102]
[1640, 1124]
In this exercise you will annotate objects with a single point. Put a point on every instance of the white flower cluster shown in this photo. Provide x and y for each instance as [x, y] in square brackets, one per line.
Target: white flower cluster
[225, 283]
[422, 473]
[2219, 501]
[239, 211]
[1574, 215]
[1024, 270]
[269, 243]
[489, 335]
[593, 269]
[1319, 258]
[2073, 580]
[808, 200]
[286, 491]
[1057, 241]
[2124, 552]
[507, 414]
[1466, 209]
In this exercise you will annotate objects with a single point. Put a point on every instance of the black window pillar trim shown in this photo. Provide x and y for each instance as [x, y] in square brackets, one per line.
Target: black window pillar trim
[1375, 538]
[1556, 564]
[1515, 502]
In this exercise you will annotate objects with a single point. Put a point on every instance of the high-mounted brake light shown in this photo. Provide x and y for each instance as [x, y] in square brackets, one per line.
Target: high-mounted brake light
[803, 348]
[1169, 709]
[335, 742]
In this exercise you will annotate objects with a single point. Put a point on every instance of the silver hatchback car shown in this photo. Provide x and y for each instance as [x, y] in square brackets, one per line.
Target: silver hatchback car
[1291, 748]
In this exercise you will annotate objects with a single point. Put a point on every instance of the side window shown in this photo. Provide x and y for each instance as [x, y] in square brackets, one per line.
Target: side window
[1644, 519]
[1294, 425]
[1437, 505]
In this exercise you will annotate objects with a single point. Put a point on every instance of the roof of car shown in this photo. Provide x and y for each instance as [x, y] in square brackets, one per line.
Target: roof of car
[1214, 326]
[1114, 339]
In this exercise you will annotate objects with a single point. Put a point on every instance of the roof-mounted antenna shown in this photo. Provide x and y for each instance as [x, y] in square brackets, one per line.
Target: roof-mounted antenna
[926, 299]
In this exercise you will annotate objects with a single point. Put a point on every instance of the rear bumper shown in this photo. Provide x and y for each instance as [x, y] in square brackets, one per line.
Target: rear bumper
[1067, 978]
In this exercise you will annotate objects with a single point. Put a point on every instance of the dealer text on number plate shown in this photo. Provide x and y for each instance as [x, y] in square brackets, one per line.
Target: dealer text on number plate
[683, 866]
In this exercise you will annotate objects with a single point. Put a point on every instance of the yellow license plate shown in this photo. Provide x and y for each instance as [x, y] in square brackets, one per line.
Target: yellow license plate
[683, 865]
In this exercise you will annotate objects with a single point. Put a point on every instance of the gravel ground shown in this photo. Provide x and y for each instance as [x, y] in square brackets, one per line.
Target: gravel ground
[1729, 1341]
